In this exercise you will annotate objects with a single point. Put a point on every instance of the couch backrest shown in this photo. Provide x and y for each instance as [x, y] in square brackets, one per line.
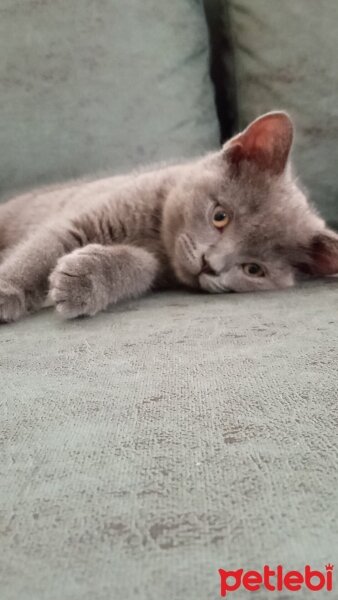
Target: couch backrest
[90, 85]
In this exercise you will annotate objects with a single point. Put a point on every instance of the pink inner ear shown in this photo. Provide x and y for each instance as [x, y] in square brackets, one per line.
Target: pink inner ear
[266, 142]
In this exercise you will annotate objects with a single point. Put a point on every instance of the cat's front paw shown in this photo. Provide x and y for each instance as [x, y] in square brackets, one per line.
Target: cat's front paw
[72, 285]
[12, 302]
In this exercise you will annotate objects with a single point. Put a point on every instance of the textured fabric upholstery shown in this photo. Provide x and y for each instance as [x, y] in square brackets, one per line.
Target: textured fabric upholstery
[154, 444]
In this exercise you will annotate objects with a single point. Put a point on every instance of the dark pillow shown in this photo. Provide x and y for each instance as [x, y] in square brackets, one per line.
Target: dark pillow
[285, 55]
[87, 86]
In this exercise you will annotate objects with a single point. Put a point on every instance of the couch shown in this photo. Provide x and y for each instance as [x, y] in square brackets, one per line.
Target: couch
[171, 436]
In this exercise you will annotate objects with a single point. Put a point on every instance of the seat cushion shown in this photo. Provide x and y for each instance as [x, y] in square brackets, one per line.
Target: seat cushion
[148, 447]
[285, 58]
[88, 86]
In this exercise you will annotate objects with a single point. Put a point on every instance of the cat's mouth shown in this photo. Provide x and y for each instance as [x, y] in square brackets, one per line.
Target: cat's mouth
[193, 279]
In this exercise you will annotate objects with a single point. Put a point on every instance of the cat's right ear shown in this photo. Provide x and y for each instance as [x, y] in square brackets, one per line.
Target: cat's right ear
[320, 257]
[265, 143]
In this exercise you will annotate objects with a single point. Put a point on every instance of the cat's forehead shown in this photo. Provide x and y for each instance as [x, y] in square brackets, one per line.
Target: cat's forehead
[273, 202]
[264, 207]
[268, 230]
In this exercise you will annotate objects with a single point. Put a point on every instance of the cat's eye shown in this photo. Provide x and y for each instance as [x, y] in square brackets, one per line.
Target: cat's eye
[253, 270]
[220, 218]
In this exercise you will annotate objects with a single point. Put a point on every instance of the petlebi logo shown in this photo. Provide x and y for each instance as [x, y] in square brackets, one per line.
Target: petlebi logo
[277, 579]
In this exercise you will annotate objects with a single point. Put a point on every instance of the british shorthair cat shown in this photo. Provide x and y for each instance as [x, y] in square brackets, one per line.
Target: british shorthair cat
[232, 221]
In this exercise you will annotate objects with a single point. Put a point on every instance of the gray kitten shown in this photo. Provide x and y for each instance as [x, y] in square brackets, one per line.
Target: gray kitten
[234, 220]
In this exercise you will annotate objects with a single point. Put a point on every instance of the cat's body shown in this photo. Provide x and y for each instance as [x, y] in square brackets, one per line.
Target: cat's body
[112, 210]
[122, 213]
[234, 220]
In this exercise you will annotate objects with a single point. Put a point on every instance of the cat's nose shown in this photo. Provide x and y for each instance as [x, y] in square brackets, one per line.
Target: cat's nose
[206, 268]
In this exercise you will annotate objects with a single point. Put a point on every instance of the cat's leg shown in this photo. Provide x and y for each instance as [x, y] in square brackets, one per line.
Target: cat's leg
[25, 270]
[90, 278]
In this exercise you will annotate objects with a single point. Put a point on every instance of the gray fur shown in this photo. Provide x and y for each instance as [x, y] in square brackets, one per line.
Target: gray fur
[92, 243]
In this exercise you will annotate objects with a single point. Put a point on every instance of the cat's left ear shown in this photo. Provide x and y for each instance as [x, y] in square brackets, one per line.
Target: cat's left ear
[266, 143]
[321, 256]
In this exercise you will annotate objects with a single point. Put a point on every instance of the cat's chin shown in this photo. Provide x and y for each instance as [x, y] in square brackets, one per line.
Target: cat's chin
[212, 284]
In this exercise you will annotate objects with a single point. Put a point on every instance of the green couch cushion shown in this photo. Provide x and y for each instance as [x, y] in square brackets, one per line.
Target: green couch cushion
[89, 85]
[285, 58]
[146, 448]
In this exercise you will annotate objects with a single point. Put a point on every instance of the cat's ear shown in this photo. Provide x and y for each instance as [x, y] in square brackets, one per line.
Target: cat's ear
[266, 142]
[321, 255]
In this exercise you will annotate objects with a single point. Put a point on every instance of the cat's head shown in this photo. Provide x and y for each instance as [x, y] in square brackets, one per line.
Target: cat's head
[238, 221]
